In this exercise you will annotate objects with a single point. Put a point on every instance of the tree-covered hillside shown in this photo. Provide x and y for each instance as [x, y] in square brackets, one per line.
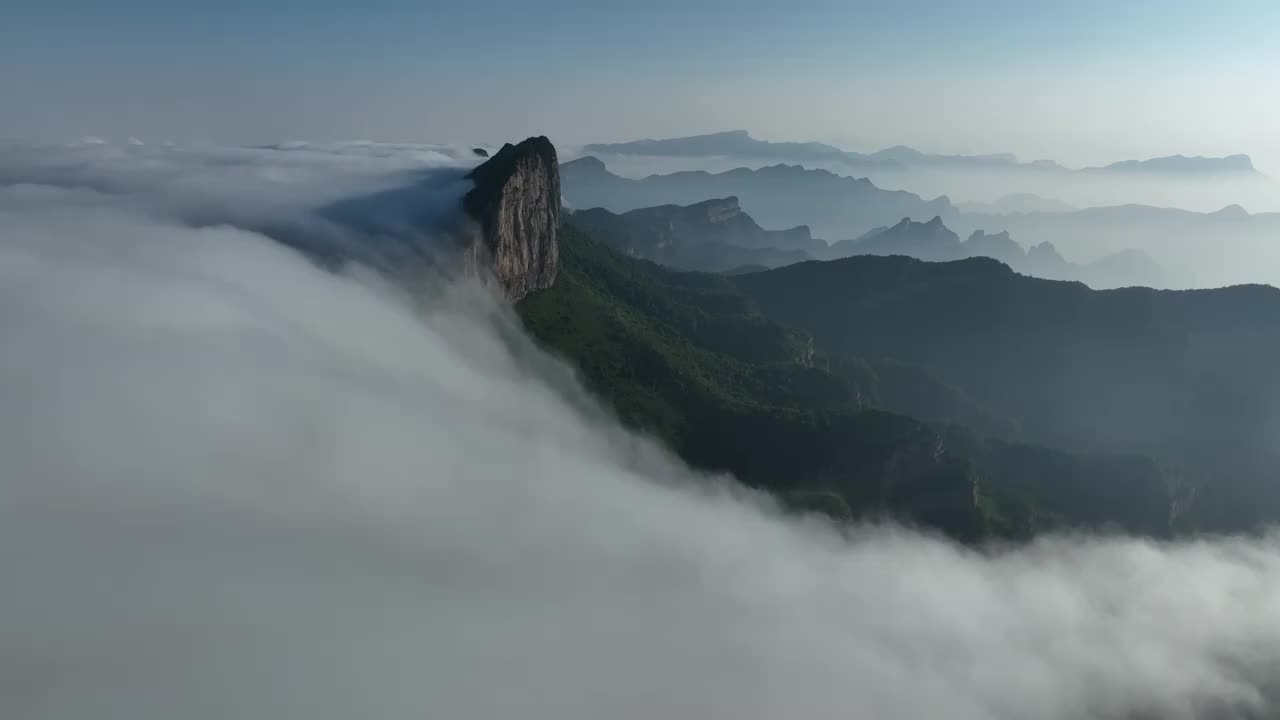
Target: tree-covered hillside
[1189, 377]
[690, 358]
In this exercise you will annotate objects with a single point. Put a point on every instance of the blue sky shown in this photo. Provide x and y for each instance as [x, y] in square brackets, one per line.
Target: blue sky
[1082, 81]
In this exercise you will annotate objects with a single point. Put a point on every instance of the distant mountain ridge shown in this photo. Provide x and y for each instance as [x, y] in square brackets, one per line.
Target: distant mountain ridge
[933, 241]
[1187, 245]
[740, 143]
[731, 142]
[929, 240]
[1197, 249]
[1193, 248]
[1183, 164]
[713, 235]
[719, 236]
[779, 196]
[1189, 376]
[1015, 203]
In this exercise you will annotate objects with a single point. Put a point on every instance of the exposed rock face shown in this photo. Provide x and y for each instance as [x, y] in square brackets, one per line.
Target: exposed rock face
[516, 202]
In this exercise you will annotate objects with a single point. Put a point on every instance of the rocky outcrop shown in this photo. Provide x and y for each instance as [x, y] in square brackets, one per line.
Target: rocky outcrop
[724, 221]
[516, 203]
[1045, 255]
[998, 246]
[721, 211]
[930, 240]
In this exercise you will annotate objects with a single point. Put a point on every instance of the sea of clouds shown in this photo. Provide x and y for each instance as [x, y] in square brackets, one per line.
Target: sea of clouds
[235, 483]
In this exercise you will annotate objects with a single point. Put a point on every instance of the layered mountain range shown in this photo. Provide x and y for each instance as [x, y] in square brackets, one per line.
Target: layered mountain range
[935, 242]
[718, 236]
[739, 143]
[778, 196]
[1190, 249]
[959, 395]
[714, 235]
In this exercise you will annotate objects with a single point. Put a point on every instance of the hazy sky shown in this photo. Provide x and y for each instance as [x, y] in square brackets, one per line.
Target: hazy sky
[1081, 82]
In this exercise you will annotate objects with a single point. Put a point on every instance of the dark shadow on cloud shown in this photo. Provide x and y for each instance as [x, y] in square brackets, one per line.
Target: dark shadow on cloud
[393, 208]
[403, 228]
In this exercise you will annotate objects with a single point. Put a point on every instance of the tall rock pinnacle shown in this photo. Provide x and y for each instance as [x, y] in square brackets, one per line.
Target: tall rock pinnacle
[516, 201]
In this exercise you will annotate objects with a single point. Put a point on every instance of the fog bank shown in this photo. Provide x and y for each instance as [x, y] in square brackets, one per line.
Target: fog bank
[237, 485]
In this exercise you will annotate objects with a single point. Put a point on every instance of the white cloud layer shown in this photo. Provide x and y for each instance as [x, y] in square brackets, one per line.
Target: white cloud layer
[234, 485]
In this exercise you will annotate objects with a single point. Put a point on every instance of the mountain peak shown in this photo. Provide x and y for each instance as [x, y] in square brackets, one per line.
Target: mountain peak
[516, 202]
[730, 202]
[930, 240]
[1045, 252]
[997, 245]
[718, 209]
[900, 153]
[587, 162]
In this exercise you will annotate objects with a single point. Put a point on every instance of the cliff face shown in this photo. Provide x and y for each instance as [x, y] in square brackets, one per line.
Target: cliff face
[516, 202]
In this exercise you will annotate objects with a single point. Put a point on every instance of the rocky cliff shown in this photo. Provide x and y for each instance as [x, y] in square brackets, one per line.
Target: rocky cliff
[516, 203]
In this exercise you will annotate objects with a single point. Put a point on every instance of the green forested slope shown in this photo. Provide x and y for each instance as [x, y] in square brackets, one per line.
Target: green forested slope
[1191, 378]
[689, 358]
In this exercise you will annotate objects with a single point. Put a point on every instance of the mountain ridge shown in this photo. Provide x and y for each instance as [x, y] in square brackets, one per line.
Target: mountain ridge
[713, 235]
[779, 196]
[933, 241]
[1183, 375]
[689, 357]
[740, 142]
